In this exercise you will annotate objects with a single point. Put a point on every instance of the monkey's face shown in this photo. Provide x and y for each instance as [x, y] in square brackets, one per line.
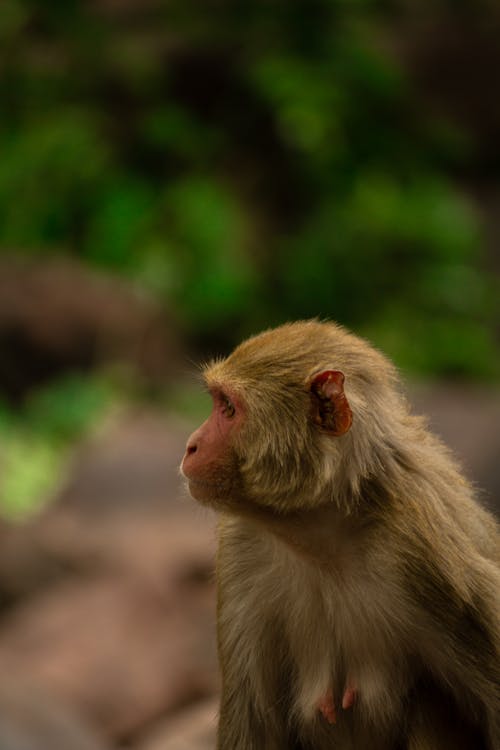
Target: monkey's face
[210, 463]
[239, 457]
[264, 442]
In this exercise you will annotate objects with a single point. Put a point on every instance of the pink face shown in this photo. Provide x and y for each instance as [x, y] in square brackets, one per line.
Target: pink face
[209, 463]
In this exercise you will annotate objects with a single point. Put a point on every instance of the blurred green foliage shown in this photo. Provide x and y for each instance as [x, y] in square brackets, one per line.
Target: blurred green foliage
[249, 162]
[36, 442]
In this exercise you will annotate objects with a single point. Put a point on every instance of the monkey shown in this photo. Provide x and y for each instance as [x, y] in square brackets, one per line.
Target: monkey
[358, 577]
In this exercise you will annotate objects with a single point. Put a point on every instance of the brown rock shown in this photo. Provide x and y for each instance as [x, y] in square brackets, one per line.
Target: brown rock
[34, 720]
[192, 729]
[119, 650]
[58, 315]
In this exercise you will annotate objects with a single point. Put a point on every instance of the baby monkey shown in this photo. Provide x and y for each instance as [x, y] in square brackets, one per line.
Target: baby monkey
[355, 568]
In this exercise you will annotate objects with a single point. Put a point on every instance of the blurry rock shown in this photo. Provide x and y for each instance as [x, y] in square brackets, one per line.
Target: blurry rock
[32, 720]
[162, 548]
[26, 564]
[117, 651]
[192, 729]
[58, 315]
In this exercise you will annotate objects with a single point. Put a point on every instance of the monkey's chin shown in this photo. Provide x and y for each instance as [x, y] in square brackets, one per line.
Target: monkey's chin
[198, 490]
[218, 497]
[204, 492]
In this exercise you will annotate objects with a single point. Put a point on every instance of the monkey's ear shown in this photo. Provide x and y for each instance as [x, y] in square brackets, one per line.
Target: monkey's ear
[330, 407]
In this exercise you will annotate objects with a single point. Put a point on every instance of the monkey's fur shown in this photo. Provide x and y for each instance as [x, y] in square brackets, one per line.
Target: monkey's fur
[360, 558]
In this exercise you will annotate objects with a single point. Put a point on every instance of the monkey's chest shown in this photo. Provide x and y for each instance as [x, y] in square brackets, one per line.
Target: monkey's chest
[319, 630]
[316, 639]
[336, 639]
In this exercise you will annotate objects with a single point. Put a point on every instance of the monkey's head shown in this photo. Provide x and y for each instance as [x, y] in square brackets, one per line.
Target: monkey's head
[286, 404]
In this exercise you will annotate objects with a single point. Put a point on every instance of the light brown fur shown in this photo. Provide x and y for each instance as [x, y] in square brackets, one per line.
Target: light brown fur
[363, 558]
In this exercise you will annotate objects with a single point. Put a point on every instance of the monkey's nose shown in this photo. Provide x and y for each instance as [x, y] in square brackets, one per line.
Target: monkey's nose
[191, 448]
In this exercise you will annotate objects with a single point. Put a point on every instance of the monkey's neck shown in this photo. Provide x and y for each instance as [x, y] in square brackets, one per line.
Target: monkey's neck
[322, 535]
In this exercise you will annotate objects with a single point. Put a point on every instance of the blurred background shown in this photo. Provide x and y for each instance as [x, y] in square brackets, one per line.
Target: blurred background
[174, 176]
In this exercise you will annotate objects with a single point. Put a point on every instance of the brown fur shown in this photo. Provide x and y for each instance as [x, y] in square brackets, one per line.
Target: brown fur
[362, 558]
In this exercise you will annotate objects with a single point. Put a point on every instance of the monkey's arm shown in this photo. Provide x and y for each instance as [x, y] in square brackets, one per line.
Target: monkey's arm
[462, 641]
[436, 724]
[255, 702]
[239, 724]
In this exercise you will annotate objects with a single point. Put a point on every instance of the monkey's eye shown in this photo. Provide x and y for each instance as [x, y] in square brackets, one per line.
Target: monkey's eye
[228, 408]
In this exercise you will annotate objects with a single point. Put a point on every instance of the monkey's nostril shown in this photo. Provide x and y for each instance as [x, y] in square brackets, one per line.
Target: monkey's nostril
[191, 449]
